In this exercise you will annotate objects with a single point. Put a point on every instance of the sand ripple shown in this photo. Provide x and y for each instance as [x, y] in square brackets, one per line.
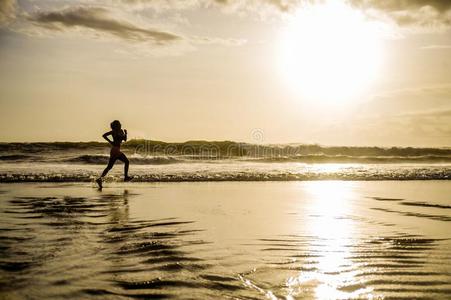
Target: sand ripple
[90, 247]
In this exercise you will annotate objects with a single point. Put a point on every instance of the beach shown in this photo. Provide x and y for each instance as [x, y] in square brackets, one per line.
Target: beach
[225, 149]
[226, 240]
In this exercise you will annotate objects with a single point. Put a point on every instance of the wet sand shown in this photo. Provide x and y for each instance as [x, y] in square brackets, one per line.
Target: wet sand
[239, 240]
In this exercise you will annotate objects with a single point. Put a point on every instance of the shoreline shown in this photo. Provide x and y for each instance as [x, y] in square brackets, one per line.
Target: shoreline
[92, 180]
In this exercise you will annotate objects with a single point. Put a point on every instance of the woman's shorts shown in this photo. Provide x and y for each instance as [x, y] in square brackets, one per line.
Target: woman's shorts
[115, 152]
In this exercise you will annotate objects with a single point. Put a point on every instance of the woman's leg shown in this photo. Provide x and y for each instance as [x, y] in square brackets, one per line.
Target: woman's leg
[124, 158]
[109, 166]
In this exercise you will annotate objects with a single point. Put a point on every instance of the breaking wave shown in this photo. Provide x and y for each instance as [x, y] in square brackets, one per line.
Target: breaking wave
[314, 158]
[103, 159]
[228, 149]
[16, 157]
[321, 158]
[100, 159]
[224, 172]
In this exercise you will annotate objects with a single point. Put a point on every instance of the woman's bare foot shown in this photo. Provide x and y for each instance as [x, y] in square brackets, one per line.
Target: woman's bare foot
[99, 182]
[128, 178]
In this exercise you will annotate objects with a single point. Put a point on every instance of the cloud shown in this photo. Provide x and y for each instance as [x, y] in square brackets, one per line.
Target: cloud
[162, 4]
[100, 20]
[434, 114]
[411, 13]
[289, 5]
[405, 13]
[399, 127]
[218, 41]
[104, 24]
[426, 91]
[230, 5]
[7, 11]
[431, 123]
[436, 47]
[397, 5]
[280, 5]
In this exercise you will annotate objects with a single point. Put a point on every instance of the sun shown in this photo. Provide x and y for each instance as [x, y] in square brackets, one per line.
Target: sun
[330, 52]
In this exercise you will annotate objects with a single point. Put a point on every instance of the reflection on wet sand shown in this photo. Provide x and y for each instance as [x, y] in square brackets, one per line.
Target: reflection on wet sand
[334, 237]
[332, 261]
[95, 246]
[91, 247]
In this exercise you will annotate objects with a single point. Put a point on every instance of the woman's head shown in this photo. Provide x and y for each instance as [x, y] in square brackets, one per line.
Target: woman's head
[115, 125]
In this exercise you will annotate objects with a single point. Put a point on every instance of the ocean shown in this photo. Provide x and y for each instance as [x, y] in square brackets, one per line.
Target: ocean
[153, 161]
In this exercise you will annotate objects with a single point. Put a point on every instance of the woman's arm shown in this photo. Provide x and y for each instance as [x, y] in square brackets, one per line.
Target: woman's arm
[105, 136]
[125, 135]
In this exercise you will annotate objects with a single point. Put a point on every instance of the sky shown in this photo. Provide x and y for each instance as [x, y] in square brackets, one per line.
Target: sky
[343, 72]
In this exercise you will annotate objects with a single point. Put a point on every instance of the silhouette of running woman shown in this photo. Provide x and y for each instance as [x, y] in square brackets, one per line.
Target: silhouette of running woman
[118, 135]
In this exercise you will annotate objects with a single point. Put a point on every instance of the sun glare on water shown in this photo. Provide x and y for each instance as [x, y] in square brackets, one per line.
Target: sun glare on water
[330, 52]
